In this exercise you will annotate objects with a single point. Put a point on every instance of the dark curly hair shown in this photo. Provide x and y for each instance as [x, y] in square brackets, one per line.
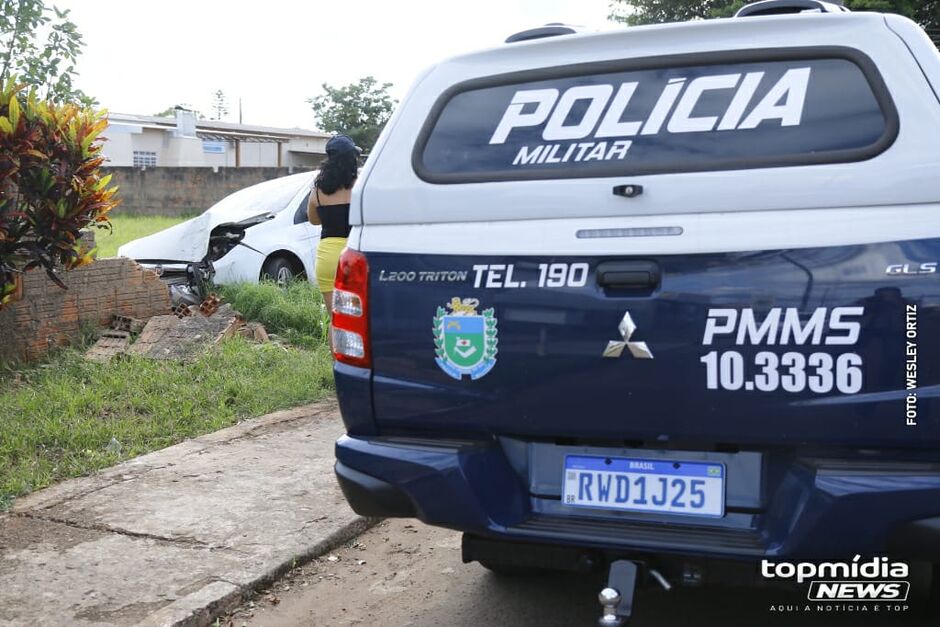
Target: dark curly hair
[337, 172]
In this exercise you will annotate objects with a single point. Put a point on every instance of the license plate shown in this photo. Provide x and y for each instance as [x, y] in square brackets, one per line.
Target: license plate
[645, 485]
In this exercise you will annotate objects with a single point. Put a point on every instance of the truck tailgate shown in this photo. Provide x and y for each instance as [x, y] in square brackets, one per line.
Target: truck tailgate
[773, 347]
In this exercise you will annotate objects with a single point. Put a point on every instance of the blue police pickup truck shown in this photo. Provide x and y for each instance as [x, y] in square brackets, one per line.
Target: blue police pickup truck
[654, 299]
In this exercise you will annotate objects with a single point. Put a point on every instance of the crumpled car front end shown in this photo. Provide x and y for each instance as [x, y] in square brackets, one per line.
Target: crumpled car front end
[183, 255]
[189, 255]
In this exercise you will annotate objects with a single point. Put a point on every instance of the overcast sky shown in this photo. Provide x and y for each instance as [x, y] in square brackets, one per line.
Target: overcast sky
[274, 54]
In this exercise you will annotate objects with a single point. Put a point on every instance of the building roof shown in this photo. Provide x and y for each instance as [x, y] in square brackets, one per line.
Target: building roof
[218, 130]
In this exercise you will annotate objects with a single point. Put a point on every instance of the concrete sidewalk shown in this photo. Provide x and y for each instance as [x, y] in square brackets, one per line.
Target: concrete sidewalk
[177, 536]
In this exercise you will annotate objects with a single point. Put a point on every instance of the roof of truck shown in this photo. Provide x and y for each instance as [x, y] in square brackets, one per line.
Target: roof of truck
[712, 34]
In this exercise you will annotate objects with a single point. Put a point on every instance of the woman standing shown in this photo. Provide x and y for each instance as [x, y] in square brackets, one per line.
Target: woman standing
[329, 207]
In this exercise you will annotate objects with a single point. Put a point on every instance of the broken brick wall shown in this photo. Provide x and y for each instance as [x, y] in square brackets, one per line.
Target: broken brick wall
[49, 316]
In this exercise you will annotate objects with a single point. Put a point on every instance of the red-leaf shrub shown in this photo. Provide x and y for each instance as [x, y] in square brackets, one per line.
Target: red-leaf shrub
[51, 186]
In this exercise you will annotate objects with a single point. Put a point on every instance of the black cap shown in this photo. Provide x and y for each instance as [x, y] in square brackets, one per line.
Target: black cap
[342, 144]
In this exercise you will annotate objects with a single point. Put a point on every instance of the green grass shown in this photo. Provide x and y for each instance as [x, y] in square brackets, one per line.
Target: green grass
[295, 312]
[58, 418]
[127, 228]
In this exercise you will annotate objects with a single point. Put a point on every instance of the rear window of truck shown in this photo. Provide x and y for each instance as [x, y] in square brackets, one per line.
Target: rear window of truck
[743, 109]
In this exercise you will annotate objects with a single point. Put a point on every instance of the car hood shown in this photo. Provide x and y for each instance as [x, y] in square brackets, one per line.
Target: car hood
[189, 240]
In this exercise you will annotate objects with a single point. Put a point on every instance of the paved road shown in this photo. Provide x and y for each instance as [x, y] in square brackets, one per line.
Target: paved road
[405, 573]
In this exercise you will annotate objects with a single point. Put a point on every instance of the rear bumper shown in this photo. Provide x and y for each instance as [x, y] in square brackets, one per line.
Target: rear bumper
[369, 496]
[918, 539]
[810, 509]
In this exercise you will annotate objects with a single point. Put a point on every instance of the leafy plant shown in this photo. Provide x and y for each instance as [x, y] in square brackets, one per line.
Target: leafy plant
[40, 46]
[51, 185]
[359, 110]
[170, 112]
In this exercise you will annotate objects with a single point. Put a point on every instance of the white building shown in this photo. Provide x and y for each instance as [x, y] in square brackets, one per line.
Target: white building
[150, 141]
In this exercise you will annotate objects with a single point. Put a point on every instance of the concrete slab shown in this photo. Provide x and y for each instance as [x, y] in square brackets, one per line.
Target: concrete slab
[178, 536]
[170, 337]
[108, 346]
[54, 574]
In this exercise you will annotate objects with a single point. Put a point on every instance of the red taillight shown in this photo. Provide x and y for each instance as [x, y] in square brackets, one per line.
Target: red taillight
[351, 310]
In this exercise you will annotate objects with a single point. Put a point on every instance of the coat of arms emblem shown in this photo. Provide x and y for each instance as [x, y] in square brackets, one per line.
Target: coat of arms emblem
[464, 340]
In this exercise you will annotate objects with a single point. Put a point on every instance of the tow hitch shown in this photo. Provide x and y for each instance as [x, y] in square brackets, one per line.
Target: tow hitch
[617, 598]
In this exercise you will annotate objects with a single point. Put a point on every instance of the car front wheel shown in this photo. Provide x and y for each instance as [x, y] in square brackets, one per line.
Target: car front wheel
[279, 269]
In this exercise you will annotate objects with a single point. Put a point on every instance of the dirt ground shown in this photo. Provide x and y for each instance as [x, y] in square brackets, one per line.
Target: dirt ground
[402, 572]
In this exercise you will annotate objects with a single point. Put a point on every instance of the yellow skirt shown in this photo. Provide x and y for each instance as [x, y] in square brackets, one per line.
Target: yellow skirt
[328, 251]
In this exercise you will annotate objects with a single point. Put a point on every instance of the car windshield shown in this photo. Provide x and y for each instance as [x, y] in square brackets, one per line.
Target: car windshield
[270, 196]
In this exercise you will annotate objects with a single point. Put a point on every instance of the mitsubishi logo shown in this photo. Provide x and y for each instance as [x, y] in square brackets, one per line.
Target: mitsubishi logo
[638, 349]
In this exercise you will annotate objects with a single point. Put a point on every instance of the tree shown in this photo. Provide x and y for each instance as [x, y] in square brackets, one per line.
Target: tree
[170, 112]
[359, 110]
[51, 185]
[40, 46]
[635, 12]
[219, 104]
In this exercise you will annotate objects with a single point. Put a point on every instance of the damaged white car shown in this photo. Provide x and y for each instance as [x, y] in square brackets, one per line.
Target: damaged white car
[260, 232]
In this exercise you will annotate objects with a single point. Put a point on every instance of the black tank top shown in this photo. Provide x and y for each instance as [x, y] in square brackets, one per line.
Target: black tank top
[334, 219]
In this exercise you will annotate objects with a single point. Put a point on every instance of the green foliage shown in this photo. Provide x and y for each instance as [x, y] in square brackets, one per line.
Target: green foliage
[57, 419]
[170, 112]
[359, 110]
[51, 186]
[40, 46]
[295, 312]
[636, 12]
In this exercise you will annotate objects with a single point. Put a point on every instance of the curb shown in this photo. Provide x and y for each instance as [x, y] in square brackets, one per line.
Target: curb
[202, 607]
[168, 592]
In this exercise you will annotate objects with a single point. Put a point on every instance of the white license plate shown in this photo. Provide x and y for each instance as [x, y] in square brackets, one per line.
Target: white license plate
[645, 485]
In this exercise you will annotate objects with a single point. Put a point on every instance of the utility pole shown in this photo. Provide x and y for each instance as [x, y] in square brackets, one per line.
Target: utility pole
[238, 151]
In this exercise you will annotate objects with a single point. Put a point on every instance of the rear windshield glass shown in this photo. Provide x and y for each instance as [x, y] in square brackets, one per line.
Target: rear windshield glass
[667, 119]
